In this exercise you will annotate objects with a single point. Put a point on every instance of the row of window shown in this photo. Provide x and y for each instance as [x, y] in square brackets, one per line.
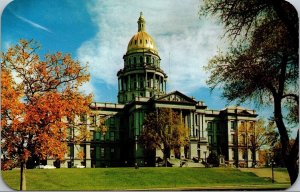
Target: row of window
[110, 136]
[98, 152]
[133, 61]
[140, 84]
[211, 124]
[233, 125]
[242, 139]
[133, 95]
[141, 41]
[111, 121]
[217, 141]
[244, 154]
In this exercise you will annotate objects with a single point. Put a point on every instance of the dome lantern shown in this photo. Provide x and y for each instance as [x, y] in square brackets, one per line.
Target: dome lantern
[141, 23]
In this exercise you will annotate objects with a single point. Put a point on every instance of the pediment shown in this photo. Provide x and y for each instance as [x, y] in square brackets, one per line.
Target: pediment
[244, 112]
[176, 96]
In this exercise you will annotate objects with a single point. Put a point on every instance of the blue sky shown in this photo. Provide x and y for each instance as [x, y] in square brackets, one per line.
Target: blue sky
[98, 32]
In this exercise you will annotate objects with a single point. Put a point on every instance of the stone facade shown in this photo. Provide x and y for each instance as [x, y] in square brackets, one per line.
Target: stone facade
[142, 88]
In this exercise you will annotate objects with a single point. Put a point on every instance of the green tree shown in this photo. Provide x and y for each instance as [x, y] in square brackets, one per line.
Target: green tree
[163, 129]
[262, 63]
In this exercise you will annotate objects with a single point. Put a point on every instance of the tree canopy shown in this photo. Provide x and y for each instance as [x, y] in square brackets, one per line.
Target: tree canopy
[255, 136]
[163, 129]
[38, 97]
[262, 63]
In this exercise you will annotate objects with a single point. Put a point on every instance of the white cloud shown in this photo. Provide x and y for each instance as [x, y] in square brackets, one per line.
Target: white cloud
[87, 88]
[175, 27]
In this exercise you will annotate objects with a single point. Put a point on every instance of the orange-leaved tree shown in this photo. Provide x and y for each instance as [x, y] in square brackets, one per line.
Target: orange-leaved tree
[38, 97]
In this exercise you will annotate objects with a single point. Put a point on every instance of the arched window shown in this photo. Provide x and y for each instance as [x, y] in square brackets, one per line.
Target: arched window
[129, 61]
[148, 60]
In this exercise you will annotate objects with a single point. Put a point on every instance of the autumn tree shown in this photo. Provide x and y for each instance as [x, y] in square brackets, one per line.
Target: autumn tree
[37, 99]
[262, 63]
[163, 129]
[274, 153]
[253, 136]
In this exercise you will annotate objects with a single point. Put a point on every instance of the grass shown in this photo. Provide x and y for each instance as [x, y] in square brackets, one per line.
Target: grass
[280, 174]
[139, 179]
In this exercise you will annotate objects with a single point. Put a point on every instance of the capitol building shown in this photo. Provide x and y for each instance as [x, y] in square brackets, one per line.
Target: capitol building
[142, 88]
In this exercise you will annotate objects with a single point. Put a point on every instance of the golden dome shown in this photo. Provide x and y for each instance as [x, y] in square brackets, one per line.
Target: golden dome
[141, 41]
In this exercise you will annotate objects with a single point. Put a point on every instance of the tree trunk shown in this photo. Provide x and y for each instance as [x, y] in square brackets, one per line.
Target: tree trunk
[22, 177]
[166, 152]
[289, 155]
[292, 166]
[253, 155]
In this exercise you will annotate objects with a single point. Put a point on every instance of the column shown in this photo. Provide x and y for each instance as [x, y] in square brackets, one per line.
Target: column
[137, 81]
[153, 81]
[88, 156]
[129, 83]
[146, 79]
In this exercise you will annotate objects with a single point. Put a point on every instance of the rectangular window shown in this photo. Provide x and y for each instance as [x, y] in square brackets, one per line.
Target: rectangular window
[102, 152]
[97, 136]
[70, 151]
[209, 139]
[70, 133]
[243, 124]
[232, 125]
[218, 126]
[219, 139]
[112, 136]
[92, 135]
[243, 139]
[251, 126]
[92, 119]
[142, 84]
[197, 119]
[209, 126]
[232, 139]
[112, 120]
[98, 152]
[102, 138]
[83, 118]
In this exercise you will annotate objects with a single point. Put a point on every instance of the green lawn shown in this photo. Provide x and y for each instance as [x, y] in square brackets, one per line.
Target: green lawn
[280, 174]
[138, 179]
